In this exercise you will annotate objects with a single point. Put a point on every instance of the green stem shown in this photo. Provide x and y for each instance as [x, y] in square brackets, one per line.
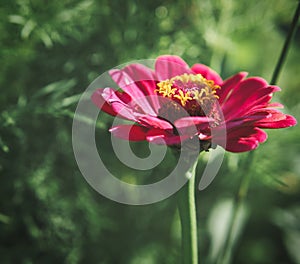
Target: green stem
[187, 212]
[286, 45]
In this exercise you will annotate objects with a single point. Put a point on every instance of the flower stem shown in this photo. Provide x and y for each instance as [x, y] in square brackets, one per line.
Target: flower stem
[286, 45]
[187, 212]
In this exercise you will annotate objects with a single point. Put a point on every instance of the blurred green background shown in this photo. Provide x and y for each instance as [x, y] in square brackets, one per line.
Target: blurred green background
[51, 51]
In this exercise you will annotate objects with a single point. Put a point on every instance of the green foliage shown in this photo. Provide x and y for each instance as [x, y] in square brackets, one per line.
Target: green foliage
[50, 51]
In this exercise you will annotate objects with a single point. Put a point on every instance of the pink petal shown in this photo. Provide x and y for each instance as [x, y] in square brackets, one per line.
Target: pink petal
[248, 86]
[100, 102]
[120, 103]
[274, 116]
[148, 87]
[229, 85]
[250, 92]
[103, 98]
[288, 121]
[163, 137]
[129, 132]
[145, 79]
[139, 72]
[233, 109]
[246, 120]
[124, 111]
[192, 121]
[244, 139]
[168, 66]
[275, 105]
[247, 132]
[128, 85]
[111, 95]
[241, 145]
[207, 73]
[191, 126]
[152, 121]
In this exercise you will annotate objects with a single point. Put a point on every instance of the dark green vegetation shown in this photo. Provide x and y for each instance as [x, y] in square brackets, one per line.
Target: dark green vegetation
[51, 50]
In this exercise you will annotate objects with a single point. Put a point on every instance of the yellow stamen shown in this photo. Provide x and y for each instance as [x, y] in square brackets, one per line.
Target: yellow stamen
[165, 88]
[205, 94]
[188, 87]
[183, 97]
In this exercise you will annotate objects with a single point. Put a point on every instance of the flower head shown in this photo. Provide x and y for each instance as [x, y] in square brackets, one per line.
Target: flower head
[176, 103]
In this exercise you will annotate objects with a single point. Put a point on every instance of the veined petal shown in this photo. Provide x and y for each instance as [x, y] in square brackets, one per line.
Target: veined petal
[146, 81]
[249, 93]
[247, 132]
[110, 94]
[244, 139]
[242, 145]
[249, 105]
[99, 101]
[248, 86]
[139, 72]
[131, 88]
[229, 85]
[246, 120]
[102, 98]
[152, 121]
[288, 121]
[207, 73]
[123, 110]
[168, 66]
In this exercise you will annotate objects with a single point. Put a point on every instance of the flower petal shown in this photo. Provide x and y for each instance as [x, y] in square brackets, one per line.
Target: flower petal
[247, 120]
[104, 97]
[139, 72]
[168, 66]
[129, 132]
[124, 111]
[207, 73]
[250, 92]
[275, 105]
[192, 125]
[244, 139]
[128, 85]
[99, 101]
[242, 145]
[152, 121]
[163, 137]
[247, 87]
[229, 85]
[250, 106]
[145, 79]
[247, 132]
[288, 121]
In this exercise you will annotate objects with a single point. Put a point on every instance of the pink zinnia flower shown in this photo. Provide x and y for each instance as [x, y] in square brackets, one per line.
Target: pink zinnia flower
[176, 103]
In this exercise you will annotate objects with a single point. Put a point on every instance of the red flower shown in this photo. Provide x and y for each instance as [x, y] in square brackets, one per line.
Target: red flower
[175, 103]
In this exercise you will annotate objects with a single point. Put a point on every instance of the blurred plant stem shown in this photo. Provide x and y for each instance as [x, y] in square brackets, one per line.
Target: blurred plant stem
[4, 219]
[286, 45]
[222, 28]
[226, 251]
[187, 212]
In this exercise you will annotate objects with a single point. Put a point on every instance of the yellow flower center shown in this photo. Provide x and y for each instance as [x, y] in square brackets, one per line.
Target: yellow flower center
[191, 95]
[188, 88]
